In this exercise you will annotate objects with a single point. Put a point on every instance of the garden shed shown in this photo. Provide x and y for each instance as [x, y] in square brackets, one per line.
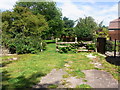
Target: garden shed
[114, 29]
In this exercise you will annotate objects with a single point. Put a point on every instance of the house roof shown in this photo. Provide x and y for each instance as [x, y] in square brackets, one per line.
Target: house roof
[115, 24]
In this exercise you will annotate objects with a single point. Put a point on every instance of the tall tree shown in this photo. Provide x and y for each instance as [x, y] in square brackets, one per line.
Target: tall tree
[52, 14]
[85, 27]
[68, 27]
[22, 30]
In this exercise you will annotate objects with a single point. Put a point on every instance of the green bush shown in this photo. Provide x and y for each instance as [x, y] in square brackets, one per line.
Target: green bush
[22, 30]
[67, 49]
[25, 45]
[91, 46]
[109, 46]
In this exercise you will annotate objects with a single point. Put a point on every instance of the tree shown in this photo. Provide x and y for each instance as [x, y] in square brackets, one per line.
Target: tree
[102, 31]
[85, 28]
[22, 30]
[52, 15]
[68, 27]
[68, 23]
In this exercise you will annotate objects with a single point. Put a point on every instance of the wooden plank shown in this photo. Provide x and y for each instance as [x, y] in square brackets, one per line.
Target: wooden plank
[62, 46]
[73, 43]
[66, 42]
[82, 50]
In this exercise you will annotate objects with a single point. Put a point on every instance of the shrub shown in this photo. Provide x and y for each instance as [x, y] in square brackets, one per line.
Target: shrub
[67, 49]
[109, 46]
[25, 45]
[91, 46]
[22, 30]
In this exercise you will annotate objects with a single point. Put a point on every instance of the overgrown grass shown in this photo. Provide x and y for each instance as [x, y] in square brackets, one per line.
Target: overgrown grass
[29, 68]
[79, 62]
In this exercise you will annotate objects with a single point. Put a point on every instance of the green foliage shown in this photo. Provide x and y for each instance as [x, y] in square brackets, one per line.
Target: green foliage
[67, 49]
[53, 86]
[84, 80]
[78, 73]
[68, 27]
[102, 31]
[109, 46]
[22, 31]
[52, 15]
[83, 86]
[66, 76]
[26, 45]
[68, 23]
[85, 28]
[91, 46]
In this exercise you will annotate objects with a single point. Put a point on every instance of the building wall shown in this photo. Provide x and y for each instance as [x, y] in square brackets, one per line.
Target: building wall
[114, 34]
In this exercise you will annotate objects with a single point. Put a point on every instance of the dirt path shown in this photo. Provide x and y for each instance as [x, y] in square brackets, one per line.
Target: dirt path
[94, 78]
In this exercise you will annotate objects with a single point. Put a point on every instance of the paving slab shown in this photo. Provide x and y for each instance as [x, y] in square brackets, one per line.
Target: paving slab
[54, 77]
[100, 79]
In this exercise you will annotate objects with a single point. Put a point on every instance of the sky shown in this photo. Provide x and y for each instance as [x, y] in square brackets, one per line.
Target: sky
[100, 10]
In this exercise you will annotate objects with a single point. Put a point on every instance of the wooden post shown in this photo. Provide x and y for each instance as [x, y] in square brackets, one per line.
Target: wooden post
[56, 40]
[115, 49]
[56, 44]
[75, 39]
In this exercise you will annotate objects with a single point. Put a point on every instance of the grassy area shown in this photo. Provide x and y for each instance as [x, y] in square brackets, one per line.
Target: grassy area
[79, 62]
[29, 68]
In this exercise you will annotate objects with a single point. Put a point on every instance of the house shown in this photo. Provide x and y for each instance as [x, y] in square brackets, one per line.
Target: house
[114, 29]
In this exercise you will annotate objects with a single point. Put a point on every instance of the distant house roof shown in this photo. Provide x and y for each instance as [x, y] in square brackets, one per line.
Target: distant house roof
[115, 24]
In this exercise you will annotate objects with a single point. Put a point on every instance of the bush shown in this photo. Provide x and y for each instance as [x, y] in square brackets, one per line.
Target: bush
[25, 45]
[91, 46]
[67, 49]
[109, 46]
[22, 30]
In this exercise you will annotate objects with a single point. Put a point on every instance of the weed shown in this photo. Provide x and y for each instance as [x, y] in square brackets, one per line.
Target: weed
[83, 86]
[53, 86]
[65, 76]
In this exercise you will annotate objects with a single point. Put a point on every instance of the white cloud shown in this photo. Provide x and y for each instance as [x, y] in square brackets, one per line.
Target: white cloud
[90, 1]
[73, 11]
[99, 13]
[7, 4]
[70, 10]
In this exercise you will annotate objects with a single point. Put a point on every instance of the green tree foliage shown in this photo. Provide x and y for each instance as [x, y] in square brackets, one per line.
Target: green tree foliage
[52, 14]
[22, 30]
[102, 31]
[68, 27]
[85, 28]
